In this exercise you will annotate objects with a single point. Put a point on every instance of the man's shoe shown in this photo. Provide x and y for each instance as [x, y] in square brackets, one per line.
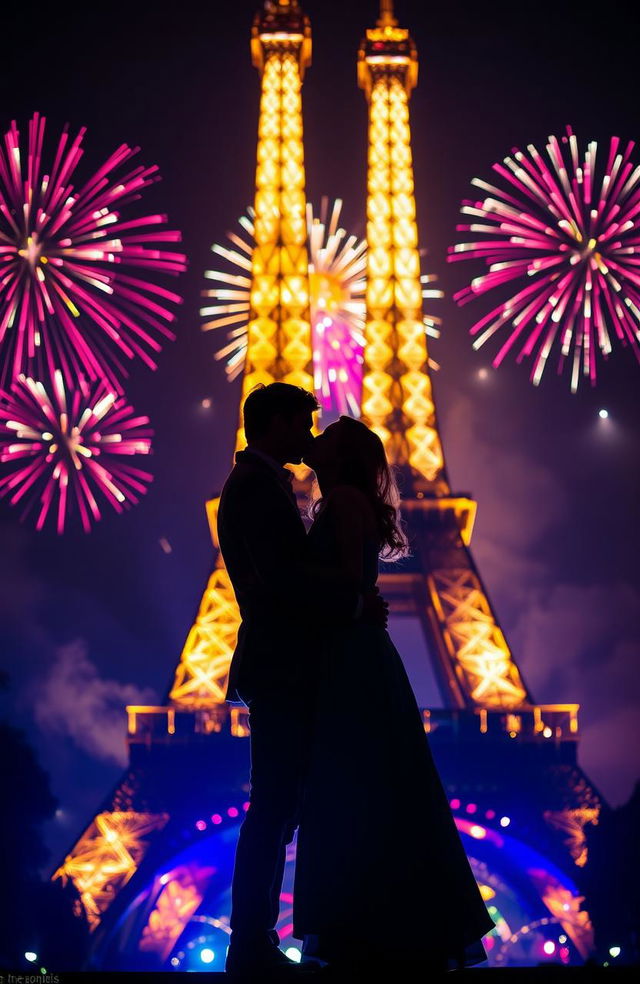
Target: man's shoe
[269, 962]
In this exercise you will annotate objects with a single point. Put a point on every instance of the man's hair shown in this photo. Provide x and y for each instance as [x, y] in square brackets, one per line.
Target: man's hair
[265, 402]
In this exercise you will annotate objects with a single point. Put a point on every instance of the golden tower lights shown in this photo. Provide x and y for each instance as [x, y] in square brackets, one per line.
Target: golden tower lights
[279, 329]
[475, 663]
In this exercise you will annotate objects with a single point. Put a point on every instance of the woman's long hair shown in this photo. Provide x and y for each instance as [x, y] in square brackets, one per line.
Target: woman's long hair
[365, 466]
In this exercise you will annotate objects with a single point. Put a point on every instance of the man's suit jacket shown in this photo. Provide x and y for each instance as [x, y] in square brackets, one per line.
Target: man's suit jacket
[283, 602]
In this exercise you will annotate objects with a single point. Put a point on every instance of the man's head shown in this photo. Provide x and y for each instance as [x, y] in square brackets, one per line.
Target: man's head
[278, 419]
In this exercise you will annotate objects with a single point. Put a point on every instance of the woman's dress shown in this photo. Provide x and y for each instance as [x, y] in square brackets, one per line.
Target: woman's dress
[380, 869]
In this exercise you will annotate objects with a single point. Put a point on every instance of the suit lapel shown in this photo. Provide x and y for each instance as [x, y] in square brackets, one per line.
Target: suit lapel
[254, 461]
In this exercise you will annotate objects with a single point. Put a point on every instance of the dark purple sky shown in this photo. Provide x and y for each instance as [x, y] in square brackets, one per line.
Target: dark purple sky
[89, 623]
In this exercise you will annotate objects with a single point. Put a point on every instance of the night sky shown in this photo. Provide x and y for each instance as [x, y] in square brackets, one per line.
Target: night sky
[89, 623]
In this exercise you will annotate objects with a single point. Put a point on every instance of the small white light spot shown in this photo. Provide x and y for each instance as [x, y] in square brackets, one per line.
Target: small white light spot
[615, 951]
[293, 953]
[603, 414]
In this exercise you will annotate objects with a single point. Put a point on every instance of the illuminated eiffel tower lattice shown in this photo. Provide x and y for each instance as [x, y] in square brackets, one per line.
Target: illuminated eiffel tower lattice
[279, 329]
[153, 868]
[474, 660]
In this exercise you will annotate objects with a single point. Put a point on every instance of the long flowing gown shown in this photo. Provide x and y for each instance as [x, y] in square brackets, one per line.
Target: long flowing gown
[380, 866]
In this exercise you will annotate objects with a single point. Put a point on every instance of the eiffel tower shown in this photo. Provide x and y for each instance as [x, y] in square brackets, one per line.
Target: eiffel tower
[153, 868]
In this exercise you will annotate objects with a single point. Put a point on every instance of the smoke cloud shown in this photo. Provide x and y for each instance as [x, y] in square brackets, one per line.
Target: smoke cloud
[74, 700]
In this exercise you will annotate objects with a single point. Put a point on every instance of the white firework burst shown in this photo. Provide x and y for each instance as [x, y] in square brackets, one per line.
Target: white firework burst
[337, 301]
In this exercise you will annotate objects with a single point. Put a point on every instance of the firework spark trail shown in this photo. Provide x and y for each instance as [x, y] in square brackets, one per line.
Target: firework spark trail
[337, 269]
[337, 285]
[337, 265]
[62, 449]
[69, 296]
[575, 238]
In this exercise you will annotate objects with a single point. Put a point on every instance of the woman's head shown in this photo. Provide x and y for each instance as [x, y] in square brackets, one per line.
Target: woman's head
[349, 453]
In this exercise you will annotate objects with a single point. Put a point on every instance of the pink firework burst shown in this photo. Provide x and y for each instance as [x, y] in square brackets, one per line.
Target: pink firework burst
[63, 450]
[337, 267]
[69, 296]
[569, 229]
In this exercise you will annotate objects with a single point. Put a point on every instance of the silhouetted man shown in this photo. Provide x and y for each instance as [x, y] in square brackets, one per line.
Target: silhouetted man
[284, 605]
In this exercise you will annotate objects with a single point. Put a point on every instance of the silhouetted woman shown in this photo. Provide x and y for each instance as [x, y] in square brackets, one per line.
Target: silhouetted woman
[381, 873]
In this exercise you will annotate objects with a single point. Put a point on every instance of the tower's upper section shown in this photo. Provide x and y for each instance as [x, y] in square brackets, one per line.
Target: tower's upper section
[281, 26]
[279, 330]
[389, 50]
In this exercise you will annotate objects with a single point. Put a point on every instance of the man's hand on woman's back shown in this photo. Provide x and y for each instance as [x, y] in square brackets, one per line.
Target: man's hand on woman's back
[375, 609]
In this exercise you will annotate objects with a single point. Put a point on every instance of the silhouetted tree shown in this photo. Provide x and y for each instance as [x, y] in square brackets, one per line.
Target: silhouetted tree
[37, 915]
[611, 881]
